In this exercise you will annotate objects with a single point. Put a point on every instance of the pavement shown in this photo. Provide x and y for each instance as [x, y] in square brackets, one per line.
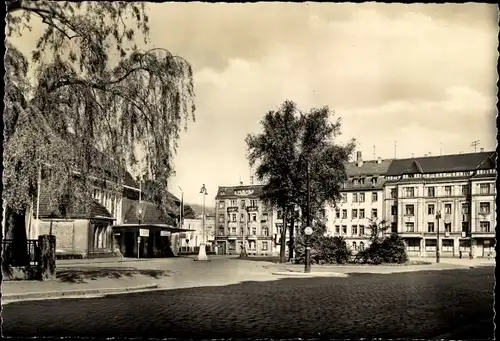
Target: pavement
[224, 298]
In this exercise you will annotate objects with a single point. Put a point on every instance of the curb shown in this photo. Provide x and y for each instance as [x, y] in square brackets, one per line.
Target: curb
[72, 293]
[310, 274]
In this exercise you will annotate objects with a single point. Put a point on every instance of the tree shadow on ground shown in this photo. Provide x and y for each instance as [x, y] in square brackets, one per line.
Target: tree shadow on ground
[83, 275]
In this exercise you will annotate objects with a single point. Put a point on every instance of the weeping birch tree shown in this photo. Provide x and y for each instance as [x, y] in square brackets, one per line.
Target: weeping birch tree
[91, 104]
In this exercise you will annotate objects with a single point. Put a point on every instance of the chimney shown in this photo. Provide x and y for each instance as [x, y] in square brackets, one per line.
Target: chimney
[359, 159]
[425, 155]
[481, 150]
[412, 155]
[379, 160]
[241, 183]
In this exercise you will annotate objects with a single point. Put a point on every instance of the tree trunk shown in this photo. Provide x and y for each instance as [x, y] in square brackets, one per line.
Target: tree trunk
[291, 242]
[15, 230]
[283, 239]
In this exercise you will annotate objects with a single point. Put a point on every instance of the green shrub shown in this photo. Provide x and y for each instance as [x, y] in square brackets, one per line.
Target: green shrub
[324, 250]
[384, 250]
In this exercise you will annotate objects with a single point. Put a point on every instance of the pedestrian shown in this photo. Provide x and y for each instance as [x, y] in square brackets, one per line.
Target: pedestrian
[470, 255]
[460, 254]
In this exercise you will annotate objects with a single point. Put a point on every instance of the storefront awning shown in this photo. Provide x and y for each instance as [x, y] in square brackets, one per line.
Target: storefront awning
[151, 227]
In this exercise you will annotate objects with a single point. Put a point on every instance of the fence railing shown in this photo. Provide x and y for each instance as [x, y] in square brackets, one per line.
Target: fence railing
[20, 253]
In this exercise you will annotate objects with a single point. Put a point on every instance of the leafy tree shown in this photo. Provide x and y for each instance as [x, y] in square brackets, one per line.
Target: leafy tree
[389, 249]
[95, 96]
[377, 229]
[189, 213]
[296, 148]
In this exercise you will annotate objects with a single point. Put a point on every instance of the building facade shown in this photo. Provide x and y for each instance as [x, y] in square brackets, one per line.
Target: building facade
[452, 193]
[242, 217]
[362, 202]
[192, 239]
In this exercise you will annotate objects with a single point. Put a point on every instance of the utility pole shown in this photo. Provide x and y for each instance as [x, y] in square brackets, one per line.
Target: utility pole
[440, 148]
[307, 268]
[374, 153]
[395, 148]
[438, 216]
[475, 144]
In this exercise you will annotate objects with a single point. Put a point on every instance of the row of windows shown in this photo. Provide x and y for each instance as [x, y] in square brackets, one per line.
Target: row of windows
[249, 231]
[359, 197]
[409, 192]
[361, 181]
[234, 203]
[354, 230]
[251, 246]
[106, 199]
[356, 213]
[484, 208]
[442, 175]
[233, 216]
[484, 227]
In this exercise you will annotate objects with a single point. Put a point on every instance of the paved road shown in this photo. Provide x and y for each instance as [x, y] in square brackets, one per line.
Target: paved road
[422, 305]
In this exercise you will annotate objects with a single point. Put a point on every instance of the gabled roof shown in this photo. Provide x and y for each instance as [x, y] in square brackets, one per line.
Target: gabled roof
[242, 191]
[96, 210]
[152, 215]
[369, 167]
[444, 163]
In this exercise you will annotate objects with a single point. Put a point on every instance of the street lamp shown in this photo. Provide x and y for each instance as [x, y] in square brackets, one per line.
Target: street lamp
[438, 216]
[202, 254]
[243, 251]
[308, 230]
[139, 211]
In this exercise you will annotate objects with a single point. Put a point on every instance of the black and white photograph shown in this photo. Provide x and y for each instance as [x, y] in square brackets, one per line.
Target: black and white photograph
[265, 170]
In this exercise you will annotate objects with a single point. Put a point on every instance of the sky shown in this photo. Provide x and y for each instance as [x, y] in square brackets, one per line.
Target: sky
[422, 75]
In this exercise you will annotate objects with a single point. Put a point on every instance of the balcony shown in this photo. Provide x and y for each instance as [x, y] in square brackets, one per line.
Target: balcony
[252, 208]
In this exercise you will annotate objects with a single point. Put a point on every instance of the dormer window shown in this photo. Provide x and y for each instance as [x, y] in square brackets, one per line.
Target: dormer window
[362, 181]
[374, 180]
[355, 182]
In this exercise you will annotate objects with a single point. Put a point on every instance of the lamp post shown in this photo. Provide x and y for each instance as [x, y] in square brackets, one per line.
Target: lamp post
[202, 254]
[181, 219]
[438, 216]
[308, 230]
[243, 251]
[140, 216]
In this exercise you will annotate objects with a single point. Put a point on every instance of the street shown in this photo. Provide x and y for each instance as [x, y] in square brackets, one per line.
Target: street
[450, 304]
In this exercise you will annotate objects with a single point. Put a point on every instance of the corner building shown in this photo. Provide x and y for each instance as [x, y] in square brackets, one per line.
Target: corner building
[460, 187]
[362, 202]
[241, 216]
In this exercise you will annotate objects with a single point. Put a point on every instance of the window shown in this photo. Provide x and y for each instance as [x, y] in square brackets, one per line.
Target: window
[221, 230]
[410, 192]
[265, 231]
[465, 226]
[374, 213]
[361, 230]
[344, 214]
[394, 210]
[344, 197]
[242, 217]
[447, 191]
[484, 189]
[465, 208]
[430, 227]
[394, 227]
[233, 217]
[430, 209]
[410, 210]
[254, 217]
[361, 246]
[413, 244]
[221, 204]
[361, 197]
[465, 189]
[355, 182]
[337, 229]
[354, 214]
[233, 203]
[484, 208]
[484, 226]
[344, 229]
[354, 246]
[354, 197]
[253, 203]
[337, 213]
[447, 227]
[431, 192]
[374, 196]
[430, 244]
[232, 245]
[242, 230]
[447, 208]
[264, 217]
[280, 214]
[394, 193]
[221, 218]
[362, 181]
[374, 181]
[233, 231]
[264, 246]
[447, 245]
[242, 204]
[254, 231]
[362, 213]
[410, 226]
[354, 230]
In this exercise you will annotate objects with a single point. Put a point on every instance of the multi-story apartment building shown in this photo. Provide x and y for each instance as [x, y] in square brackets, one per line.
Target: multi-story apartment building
[242, 216]
[362, 202]
[460, 187]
